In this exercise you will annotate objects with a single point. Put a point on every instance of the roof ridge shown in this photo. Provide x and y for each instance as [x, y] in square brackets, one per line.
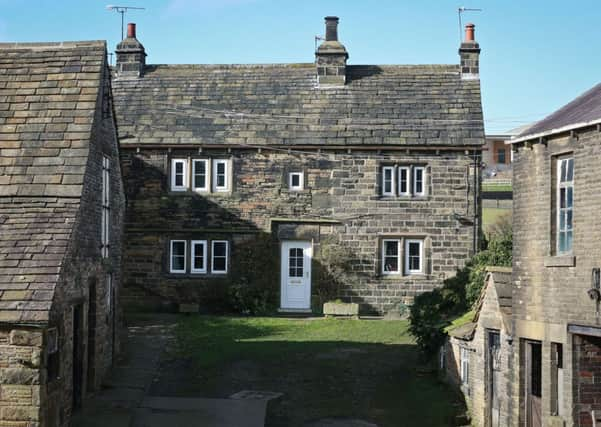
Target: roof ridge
[54, 45]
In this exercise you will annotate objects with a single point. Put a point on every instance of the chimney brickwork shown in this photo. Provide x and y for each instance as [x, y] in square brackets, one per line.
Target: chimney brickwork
[331, 57]
[131, 56]
[469, 53]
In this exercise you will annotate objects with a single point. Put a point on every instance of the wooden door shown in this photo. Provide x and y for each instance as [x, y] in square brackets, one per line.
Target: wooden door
[296, 275]
[533, 384]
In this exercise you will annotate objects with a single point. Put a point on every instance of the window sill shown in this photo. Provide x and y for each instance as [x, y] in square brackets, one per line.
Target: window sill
[404, 277]
[191, 193]
[560, 261]
[404, 198]
[196, 275]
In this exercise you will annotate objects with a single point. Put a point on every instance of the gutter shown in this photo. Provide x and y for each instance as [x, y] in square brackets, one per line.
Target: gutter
[562, 129]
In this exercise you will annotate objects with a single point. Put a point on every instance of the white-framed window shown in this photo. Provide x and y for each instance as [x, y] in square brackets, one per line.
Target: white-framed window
[109, 292]
[219, 256]
[404, 175]
[105, 223]
[179, 174]
[177, 256]
[388, 181]
[419, 181]
[200, 175]
[465, 366]
[220, 175]
[391, 256]
[198, 256]
[296, 181]
[414, 257]
[565, 204]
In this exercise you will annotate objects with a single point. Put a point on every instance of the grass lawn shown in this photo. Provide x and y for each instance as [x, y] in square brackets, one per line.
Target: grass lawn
[491, 215]
[488, 187]
[365, 369]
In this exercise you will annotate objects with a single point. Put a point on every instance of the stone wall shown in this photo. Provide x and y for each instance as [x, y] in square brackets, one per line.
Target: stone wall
[341, 200]
[550, 291]
[21, 376]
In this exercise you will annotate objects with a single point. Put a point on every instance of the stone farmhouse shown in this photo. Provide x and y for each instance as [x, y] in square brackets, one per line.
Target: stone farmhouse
[61, 219]
[306, 181]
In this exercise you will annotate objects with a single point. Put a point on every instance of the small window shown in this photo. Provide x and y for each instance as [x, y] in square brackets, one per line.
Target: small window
[199, 256]
[419, 186]
[388, 181]
[413, 256]
[565, 204]
[295, 181]
[200, 180]
[105, 223]
[219, 254]
[391, 256]
[220, 175]
[465, 366]
[179, 175]
[404, 181]
[178, 256]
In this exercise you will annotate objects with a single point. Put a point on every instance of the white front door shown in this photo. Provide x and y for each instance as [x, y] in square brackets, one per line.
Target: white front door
[296, 275]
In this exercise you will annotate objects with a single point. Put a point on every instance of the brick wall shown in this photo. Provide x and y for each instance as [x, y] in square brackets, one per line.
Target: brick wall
[587, 369]
[338, 186]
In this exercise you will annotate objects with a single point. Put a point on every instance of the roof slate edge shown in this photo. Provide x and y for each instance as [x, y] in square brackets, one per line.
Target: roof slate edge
[555, 131]
[300, 65]
[53, 45]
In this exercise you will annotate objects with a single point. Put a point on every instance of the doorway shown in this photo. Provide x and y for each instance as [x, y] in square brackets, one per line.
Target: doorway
[533, 384]
[296, 259]
[77, 356]
[91, 375]
[493, 374]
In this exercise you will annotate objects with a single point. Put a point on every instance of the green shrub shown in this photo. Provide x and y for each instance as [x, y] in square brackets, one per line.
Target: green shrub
[433, 311]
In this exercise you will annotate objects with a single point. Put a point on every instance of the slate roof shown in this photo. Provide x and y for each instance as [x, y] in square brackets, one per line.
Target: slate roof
[282, 105]
[582, 111]
[48, 96]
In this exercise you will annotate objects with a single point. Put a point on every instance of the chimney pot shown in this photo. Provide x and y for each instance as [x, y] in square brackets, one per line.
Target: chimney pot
[331, 28]
[469, 32]
[131, 30]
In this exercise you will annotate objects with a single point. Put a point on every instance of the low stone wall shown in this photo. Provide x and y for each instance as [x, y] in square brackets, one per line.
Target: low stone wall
[21, 377]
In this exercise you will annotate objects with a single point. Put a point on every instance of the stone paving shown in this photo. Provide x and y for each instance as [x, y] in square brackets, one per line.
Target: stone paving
[126, 399]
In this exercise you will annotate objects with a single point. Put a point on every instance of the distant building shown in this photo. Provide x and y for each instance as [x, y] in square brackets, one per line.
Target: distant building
[497, 156]
[61, 217]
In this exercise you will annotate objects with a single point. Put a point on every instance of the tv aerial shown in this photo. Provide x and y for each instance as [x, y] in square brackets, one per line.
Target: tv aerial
[461, 10]
[122, 10]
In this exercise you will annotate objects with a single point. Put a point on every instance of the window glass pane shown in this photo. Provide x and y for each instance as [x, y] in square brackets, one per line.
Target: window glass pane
[221, 168]
[179, 167]
[388, 180]
[562, 241]
[391, 248]
[562, 198]
[178, 263]
[562, 220]
[414, 249]
[570, 170]
[391, 264]
[295, 180]
[403, 180]
[569, 220]
[179, 179]
[199, 260]
[568, 241]
[179, 248]
[219, 249]
[569, 197]
[200, 174]
[419, 181]
[562, 175]
[219, 264]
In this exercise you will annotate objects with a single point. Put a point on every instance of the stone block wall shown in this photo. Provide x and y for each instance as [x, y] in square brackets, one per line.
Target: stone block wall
[22, 376]
[341, 198]
[550, 291]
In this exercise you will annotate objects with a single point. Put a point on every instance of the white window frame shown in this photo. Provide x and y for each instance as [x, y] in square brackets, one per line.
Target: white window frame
[564, 211]
[106, 207]
[221, 188]
[227, 255]
[301, 184]
[414, 181]
[464, 358]
[193, 245]
[392, 181]
[409, 271]
[383, 254]
[184, 185]
[407, 171]
[207, 175]
[171, 242]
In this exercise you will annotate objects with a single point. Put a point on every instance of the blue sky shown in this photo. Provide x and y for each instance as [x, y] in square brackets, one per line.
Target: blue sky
[536, 55]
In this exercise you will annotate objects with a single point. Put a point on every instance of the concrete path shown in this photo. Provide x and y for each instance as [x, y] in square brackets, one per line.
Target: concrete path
[125, 399]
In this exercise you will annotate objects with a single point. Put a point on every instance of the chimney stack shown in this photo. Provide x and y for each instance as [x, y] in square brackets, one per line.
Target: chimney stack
[331, 56]
[469, 52]
[131, 56]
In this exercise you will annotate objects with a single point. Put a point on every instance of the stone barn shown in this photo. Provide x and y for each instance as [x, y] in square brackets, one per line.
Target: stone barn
[477, 354]
[305, 182]
[61, 219]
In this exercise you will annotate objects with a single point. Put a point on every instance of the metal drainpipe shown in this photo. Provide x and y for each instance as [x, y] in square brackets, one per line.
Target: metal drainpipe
[476, 216]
